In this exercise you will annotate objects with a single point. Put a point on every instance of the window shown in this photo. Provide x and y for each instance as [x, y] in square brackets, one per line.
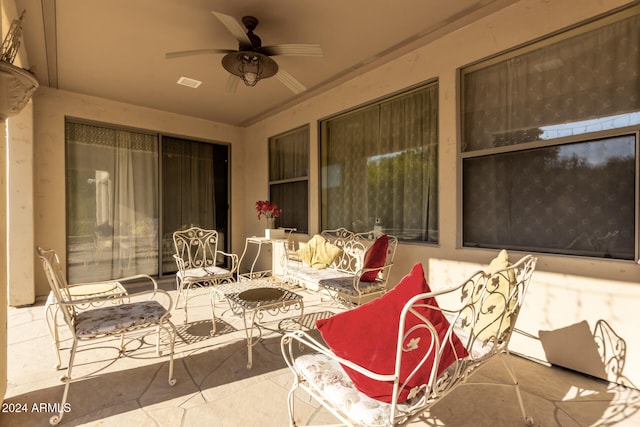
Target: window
[550, 140]
[379, 167]
[289, 177]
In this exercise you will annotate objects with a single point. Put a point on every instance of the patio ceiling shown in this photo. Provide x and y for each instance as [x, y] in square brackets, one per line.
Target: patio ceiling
[116, 49]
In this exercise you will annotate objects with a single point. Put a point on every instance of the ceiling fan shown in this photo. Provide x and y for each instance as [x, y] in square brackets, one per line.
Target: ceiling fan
[252, 62]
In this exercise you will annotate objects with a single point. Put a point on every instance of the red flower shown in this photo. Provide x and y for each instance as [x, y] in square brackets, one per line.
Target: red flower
[269, 210]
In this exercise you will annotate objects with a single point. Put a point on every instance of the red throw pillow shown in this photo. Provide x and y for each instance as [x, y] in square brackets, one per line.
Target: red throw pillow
[375, 256]
[368, 334]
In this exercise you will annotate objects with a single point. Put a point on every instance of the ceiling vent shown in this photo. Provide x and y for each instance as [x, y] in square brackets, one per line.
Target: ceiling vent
[186, 81]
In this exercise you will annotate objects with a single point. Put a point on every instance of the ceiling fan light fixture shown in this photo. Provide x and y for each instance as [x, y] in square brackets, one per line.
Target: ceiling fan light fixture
[250, 66]
[250, 69]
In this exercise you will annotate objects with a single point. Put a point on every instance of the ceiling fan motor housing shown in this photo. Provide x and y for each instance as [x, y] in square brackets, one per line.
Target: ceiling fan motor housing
[250, 24]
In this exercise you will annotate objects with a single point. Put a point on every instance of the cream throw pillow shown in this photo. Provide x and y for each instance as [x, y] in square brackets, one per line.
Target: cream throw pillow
[490, 308]
[319, 253]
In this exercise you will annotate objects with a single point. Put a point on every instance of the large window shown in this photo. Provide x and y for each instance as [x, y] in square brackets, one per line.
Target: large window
[289, 177]
[379, 167]
[550, 140]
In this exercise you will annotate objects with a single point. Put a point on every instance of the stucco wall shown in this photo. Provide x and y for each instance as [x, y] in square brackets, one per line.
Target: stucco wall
[565, 290]
[50, 108]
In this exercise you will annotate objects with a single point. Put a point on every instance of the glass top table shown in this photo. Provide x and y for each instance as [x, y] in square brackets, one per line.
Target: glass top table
[251, 300]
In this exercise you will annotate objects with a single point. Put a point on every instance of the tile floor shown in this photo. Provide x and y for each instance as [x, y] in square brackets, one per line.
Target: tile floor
[215, 388]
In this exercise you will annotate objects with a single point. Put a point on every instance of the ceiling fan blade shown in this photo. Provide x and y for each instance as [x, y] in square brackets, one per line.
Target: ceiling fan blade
[236, 29]
[171, 55]
[232, 84]
[293, 49]
[289, 81]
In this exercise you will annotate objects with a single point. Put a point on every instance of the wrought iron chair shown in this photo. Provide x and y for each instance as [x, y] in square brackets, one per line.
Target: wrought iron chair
[84, 296]
[480, 317]
[199, 262]
[143, 313]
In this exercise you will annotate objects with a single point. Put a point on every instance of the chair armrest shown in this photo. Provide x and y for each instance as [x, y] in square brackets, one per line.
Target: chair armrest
[234, 260]
[180, 263]
[152, 294]
[384, 269]
[159, 295]
[305, 341]
[120, 280]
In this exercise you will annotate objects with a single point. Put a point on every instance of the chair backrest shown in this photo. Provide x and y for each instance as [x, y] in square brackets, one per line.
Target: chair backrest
[196, 247]
[354, 246]
[460, 306]
[490, 308]
[57, 281]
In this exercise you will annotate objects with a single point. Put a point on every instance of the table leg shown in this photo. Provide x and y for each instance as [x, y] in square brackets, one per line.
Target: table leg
[213, 296]
[248, 329]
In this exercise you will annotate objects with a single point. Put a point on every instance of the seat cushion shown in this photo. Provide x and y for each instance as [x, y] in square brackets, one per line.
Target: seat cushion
[379, 322]
[113, 318]
[203, 273]
[344, 285]
[328, 376]
[306, 274]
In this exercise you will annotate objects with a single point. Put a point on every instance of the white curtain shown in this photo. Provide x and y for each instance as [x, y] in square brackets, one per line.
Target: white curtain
[111, 202]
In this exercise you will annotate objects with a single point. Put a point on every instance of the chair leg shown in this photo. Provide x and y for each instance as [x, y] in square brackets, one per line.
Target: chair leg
[506, 361]
[179, 289]
[171, 330]
[290, 402]
[212, 304]
[183, 293]
[185, 298]
[158, 352]
[55, 419]
[50, 313]
[122, 347]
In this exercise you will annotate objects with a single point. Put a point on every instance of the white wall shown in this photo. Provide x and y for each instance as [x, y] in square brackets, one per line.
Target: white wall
[565, 290]
[50, 108]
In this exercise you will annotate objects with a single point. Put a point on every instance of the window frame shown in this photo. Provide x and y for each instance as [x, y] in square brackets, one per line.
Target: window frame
[540, 43]
[306, 130]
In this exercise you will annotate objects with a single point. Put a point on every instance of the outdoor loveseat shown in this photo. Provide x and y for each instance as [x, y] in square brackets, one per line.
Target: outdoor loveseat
[349, 267]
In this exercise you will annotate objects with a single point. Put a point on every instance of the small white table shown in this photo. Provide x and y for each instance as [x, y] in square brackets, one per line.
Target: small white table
[260, 242]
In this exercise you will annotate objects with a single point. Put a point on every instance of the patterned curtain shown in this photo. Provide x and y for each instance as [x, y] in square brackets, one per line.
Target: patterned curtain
[380, 167]
[577, 195]
[592, 76]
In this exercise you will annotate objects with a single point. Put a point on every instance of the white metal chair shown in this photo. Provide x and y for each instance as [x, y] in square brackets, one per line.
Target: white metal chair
[84, 296]
[145, 315]
[199, 260]
[480, 313]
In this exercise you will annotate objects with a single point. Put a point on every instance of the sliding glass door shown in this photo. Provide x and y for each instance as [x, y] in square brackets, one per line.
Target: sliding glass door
[194, 191]
[121, 211]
